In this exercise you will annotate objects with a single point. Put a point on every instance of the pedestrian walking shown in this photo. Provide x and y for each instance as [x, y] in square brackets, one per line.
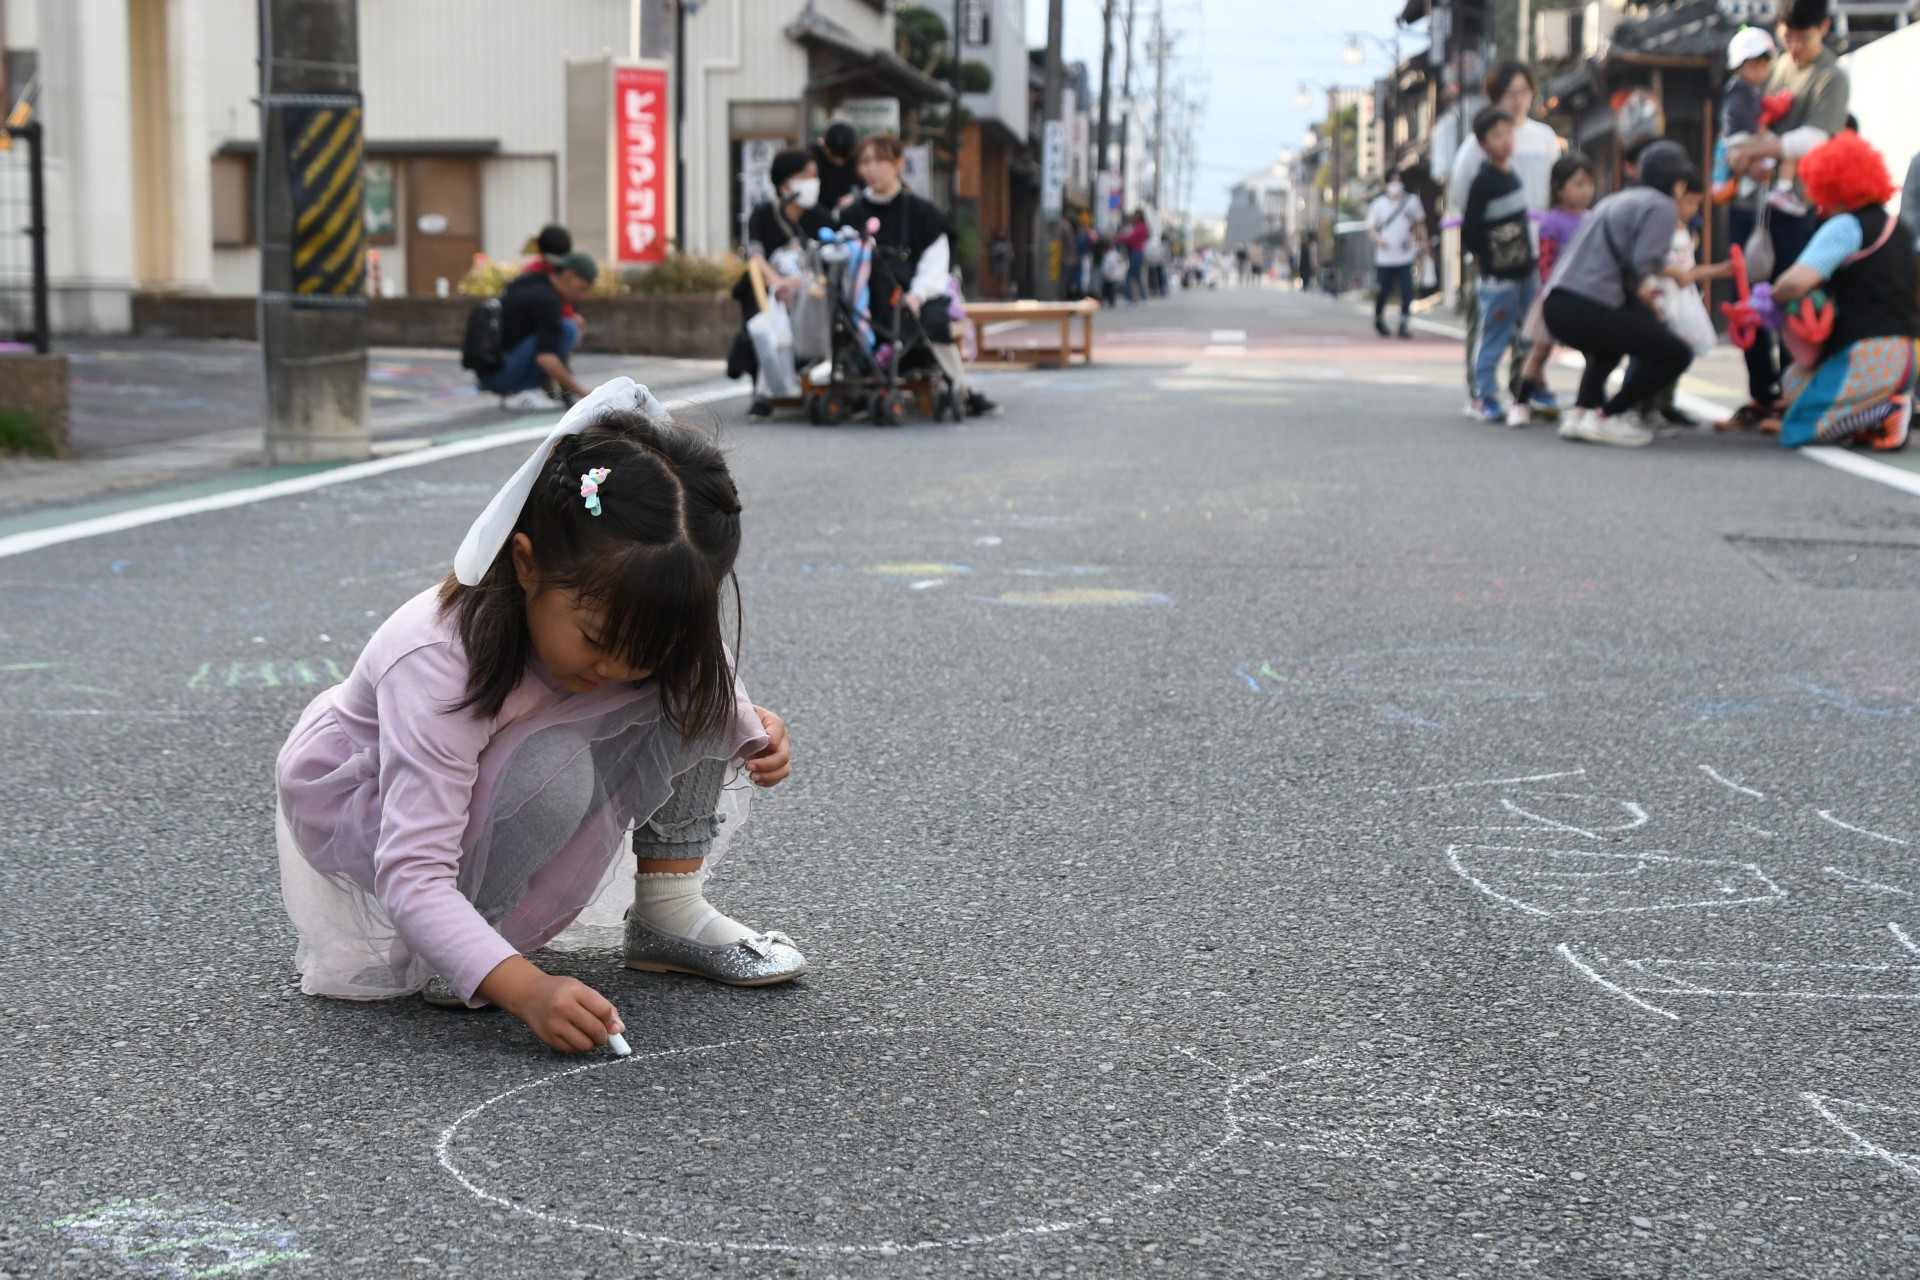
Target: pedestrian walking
[1511, 87]
[1000, 262]
[1495, 231]
[1113, 273]
[464, 795]
[1817, 111]
[1857, 381]
[1134, 241]
[1600, 299]
[1397, 225]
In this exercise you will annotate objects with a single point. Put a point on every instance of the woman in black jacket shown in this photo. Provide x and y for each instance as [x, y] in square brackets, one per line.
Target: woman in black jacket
[912, 251]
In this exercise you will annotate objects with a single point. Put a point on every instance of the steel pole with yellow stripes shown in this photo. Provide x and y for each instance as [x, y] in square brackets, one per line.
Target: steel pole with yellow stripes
[311, 209]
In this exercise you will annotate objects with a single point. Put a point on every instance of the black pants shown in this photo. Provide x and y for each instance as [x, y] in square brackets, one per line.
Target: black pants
[1607, 334]
[1789, 236]
[1391, 279]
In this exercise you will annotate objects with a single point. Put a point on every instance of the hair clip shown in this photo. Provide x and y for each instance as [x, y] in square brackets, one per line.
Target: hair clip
[590, 487]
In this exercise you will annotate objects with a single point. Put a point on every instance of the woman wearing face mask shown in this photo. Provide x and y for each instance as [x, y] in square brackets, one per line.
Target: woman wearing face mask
[775, 230]
[911, 251]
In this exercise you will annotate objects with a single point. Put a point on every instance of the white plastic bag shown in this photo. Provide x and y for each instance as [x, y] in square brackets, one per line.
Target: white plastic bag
[772, 334]
[1685, 312]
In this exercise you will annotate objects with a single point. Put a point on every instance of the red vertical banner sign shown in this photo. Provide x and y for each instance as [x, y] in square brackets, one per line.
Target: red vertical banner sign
[642, 160]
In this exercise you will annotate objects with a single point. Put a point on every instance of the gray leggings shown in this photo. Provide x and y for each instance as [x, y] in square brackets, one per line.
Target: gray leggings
[526, 840]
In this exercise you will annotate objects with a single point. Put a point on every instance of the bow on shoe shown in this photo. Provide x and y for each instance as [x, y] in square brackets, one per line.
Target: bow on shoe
[762, 944]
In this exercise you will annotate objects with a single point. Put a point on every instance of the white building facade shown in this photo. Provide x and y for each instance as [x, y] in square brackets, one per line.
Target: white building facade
[152, 128]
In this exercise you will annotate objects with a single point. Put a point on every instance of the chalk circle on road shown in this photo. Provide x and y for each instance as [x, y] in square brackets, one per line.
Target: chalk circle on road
[889, 1140]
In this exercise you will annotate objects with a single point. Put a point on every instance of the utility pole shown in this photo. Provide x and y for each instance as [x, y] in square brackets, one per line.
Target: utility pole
[953, 110]
[1106, 76]
[1052, 155]
[311, 227]
[1126, 96]
[1159, 101]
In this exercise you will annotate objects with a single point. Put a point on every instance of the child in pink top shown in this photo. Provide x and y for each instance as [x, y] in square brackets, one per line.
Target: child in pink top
[465, 795]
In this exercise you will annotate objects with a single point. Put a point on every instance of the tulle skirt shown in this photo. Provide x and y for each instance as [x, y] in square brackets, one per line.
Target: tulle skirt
[558, 794]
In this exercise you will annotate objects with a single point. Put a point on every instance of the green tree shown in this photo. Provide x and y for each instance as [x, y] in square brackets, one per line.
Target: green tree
[921, 36]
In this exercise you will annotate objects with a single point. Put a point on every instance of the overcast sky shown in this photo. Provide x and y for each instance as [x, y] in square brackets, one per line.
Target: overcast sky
[1247, 58]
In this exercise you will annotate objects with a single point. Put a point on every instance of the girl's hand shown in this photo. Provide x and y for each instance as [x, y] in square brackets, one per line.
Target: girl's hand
[775, 763]
[567, 1014]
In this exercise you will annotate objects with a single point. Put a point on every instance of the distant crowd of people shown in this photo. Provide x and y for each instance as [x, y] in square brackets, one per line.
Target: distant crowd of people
[1827, 314]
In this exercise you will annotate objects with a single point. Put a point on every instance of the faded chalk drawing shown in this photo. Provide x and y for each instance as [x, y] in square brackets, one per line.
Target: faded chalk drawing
[1655, 983]
[1078, 597]
[1585, 882]
[187, 1241]
[272, 674]
[1867, 1131]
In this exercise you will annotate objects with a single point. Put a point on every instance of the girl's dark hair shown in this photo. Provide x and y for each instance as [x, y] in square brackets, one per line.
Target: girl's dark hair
[652, 562]
[1564, 170]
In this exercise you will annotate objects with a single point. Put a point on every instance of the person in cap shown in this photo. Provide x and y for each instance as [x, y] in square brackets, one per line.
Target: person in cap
[1599, 300]
[538, 336]
[1817, 84]
[1745, 111]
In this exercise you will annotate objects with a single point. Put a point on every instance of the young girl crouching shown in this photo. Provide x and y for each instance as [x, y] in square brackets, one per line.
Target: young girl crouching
[466, 793]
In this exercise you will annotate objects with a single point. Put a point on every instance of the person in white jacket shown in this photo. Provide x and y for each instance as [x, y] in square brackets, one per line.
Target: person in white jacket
[1510, 86]
[912, 249]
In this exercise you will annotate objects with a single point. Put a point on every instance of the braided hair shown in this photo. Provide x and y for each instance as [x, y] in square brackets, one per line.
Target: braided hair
[653, 563]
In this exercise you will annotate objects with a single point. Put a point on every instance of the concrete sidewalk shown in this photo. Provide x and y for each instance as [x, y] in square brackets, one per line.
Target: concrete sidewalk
[153, 412]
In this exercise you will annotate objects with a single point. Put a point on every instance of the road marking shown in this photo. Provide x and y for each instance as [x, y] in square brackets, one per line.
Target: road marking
[1238, 336]
[34, 540]
[1827, 455]
[1828, 815]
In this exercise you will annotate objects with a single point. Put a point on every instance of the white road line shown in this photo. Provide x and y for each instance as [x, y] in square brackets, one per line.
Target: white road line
[1228, 335]
[35, 539]
[1701, 407]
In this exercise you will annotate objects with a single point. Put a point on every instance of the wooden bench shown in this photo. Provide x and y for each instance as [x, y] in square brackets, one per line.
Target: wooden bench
[1027, 311]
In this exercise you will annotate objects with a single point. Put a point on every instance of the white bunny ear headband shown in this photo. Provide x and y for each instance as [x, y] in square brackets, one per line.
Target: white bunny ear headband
[489, 533]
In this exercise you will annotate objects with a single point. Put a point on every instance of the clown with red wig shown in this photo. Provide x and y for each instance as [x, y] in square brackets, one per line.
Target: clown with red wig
[1848, 307]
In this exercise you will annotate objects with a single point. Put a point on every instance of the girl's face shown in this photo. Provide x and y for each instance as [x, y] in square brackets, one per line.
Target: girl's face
[1689, 205]
[565, 632]
[1576, 193]
[879, 172]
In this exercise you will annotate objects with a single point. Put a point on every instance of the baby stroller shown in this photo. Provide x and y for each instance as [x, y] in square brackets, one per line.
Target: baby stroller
[875, 342]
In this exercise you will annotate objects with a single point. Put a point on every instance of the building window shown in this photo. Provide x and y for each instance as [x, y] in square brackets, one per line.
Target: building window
[977, 15]
[232, 202]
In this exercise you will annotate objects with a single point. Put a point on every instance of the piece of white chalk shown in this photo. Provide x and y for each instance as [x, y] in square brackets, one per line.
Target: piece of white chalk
[618, 1043]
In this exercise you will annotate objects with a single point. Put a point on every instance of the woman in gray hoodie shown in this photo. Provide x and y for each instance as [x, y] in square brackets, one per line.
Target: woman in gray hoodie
[1600, 299]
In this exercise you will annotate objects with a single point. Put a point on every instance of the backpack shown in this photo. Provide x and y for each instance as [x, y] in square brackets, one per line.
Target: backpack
[481, 347]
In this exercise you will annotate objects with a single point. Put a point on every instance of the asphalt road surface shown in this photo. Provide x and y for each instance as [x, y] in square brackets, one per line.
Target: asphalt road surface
[1246, 821]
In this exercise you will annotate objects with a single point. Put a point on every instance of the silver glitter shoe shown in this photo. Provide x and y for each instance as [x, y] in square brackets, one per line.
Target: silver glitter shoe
[440, 994]
[759, 961]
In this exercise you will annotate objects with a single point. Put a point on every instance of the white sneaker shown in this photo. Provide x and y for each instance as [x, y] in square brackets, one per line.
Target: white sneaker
[1519, 415]
[1472, 410]
[530, 401]
[1621, 429]
[1573, 422]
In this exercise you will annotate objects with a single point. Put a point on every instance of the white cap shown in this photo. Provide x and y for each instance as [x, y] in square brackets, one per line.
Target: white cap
[1747, 44]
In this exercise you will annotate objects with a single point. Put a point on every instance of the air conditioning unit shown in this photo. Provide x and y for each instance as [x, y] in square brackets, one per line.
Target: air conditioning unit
[1553, 35]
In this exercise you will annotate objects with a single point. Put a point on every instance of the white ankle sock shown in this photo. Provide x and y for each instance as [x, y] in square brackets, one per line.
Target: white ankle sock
[671, 901]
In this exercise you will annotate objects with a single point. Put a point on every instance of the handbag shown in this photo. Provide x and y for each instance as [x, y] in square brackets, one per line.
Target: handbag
[772, 334]
[1685, 313]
